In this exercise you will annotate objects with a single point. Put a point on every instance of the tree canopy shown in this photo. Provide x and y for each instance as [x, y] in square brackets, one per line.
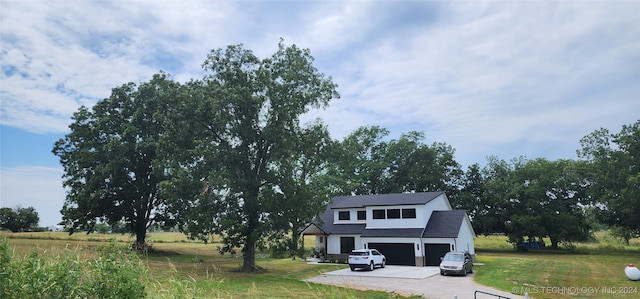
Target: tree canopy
[248, 133]
[370, 165]
[111, 159]
[614, 177]
[19, 219]
[527, 200]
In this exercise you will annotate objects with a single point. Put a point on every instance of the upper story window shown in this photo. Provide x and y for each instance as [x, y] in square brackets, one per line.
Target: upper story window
[362, 215]
[393, 214]
[408, 213]
[344, 215]
[379, 214]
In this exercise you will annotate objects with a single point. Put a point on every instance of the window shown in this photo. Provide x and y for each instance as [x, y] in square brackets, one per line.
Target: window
[362, 215]
[344, 215]
[408, 213]
[347, 244]
[321, 239]
[378, 214]
[393, 213]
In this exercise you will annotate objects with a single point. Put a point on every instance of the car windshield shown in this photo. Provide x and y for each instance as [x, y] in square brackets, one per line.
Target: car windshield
[453, 257]
[358, 253]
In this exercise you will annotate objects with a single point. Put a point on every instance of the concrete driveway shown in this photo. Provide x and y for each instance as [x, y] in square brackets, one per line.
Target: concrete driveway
[408, 280]
[390, 272]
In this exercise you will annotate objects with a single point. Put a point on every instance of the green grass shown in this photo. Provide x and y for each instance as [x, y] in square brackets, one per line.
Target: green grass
[592, 270]
[181, 268]
[202, 273]
[178, 268]
[111, 271]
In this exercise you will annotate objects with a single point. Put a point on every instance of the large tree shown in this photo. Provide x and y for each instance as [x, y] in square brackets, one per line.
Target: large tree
[246, 123]
[19, 219]
[361, 168]
[413, 166]
[370, 165]
[488, 202]
[302, 191]
[545, 201]
[615, 176]
[528, 200]
[111, 159]
[472, 197]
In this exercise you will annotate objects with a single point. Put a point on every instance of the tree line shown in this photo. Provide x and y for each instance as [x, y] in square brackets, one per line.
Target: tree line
[564, 200]
[227, 155]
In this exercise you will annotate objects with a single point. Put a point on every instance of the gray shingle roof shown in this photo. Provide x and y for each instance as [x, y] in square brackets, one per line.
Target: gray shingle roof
[359, 201]
[444, 224]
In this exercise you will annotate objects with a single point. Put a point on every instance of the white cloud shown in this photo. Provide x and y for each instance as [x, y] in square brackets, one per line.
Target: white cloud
[73, 53]
[496, 74]
[466, 73]
[504, 78]
[33, 186]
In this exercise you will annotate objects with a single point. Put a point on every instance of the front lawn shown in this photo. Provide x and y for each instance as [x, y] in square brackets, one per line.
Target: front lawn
[589, 271]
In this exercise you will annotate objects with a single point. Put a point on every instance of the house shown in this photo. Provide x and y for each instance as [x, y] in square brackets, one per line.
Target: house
[408, 228]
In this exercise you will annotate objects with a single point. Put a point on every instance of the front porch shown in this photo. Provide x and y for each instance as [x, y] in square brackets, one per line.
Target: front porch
[319, 249]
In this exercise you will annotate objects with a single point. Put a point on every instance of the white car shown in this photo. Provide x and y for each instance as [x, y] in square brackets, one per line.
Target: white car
[366, 258]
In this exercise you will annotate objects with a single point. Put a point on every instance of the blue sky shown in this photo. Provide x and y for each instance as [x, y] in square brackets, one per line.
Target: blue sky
[503, 78]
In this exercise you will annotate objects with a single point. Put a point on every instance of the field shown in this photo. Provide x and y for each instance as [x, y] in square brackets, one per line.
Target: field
[180, 268]
[591, 270]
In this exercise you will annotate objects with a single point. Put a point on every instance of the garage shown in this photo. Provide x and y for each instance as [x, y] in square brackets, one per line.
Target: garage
[396, 253]
[434, 252]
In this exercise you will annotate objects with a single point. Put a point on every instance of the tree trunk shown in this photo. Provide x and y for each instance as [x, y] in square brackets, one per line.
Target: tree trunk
[141, 235]
[295, 236]
[249, 259]
[141, 242]
[249, 256]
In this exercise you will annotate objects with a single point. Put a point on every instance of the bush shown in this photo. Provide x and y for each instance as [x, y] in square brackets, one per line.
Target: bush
[114, 273]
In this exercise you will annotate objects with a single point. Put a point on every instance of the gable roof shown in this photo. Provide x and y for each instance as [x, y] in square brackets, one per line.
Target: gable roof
[361, 201]
[444, 224]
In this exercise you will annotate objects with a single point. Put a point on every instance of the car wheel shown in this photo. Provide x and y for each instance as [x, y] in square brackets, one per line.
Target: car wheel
[353, 268]
[371, 266]
[465, 271]
[383, 263]
[471, 269]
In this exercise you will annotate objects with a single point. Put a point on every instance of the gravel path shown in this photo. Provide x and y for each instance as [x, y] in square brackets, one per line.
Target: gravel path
[417, 281]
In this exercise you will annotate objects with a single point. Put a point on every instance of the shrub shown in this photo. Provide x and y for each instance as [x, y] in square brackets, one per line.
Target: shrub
[114, 273]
